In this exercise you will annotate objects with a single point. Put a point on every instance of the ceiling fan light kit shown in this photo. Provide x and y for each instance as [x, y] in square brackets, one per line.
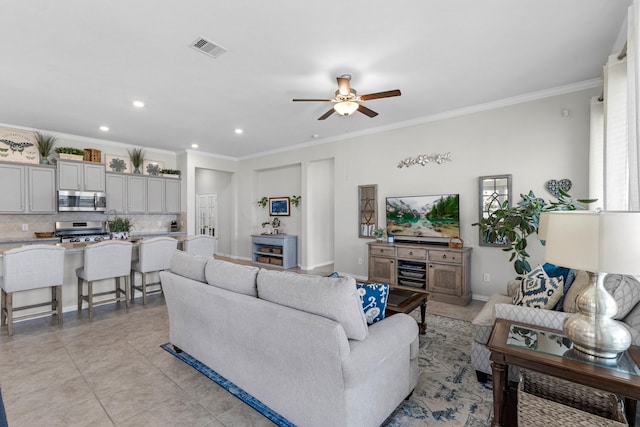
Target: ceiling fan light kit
[347, 101]
[346, 108]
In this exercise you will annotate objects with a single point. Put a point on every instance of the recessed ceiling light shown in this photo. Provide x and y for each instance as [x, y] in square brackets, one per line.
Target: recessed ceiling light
[138, 104]
[104, 128]
[239, 131]
[194, 145]
[315, 135]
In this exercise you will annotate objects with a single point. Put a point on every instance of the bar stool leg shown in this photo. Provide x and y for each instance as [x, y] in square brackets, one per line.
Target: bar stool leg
[59, 304]
[90, 295]
[132, 285]
[3, 308]
[144, 288]
[10, 313]
[80, 294]
[127, 289]
[117, 282]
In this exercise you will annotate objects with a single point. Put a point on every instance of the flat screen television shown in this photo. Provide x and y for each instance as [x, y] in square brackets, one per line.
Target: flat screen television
[423, 219]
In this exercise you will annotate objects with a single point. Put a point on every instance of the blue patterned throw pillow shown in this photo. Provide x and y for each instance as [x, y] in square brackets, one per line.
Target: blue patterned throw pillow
[538, 290]
[334, 275]
[567, 274]
[374, 300]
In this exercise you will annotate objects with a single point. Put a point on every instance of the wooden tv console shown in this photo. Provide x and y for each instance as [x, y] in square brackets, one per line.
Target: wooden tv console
[440, 271]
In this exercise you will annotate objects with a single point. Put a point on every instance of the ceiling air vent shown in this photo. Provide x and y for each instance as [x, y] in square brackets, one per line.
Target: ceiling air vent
[208, 48]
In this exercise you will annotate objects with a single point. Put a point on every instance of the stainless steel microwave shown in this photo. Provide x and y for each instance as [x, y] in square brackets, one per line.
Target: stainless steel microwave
[82, 201]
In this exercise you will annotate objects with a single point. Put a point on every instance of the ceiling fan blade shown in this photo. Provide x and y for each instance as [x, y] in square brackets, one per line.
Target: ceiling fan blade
[344, 86]
[387, 94]
[367, 111]
[313, 100]
[327, 114]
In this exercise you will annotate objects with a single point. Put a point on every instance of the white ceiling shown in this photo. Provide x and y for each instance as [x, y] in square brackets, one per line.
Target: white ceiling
[70, 66]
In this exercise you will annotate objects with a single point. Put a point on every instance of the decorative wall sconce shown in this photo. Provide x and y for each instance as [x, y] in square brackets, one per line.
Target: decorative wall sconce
[424, 159]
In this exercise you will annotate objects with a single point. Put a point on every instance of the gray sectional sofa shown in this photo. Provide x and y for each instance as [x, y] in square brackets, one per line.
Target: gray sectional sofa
[298, 343]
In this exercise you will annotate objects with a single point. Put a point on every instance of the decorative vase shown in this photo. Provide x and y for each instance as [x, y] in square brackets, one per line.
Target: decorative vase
[136, 170]
[44, 161]
[120, 235]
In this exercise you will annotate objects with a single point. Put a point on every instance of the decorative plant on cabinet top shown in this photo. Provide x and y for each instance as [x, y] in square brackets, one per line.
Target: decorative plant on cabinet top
[45, 144]
[137, 158]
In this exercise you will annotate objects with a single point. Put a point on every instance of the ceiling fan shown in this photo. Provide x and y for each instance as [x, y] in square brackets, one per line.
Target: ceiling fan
[347, 100]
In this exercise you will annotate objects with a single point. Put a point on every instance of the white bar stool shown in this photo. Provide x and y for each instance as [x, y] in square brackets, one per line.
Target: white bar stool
[105, 260]
[32, 267]
[201, 244]
[153, 255]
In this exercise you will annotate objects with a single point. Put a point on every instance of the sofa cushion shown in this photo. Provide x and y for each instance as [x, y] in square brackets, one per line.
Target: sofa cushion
[579, 284]
[232, 277]
[188, 265]
[539, 290]
[625, 290]
[373, 297]
[335, 299]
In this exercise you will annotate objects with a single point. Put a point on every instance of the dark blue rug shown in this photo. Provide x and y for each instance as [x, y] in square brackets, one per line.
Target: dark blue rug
[269, 413]
[3, 414]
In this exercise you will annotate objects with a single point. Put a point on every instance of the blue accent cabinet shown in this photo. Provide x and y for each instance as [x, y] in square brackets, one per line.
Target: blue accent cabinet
[275, 250]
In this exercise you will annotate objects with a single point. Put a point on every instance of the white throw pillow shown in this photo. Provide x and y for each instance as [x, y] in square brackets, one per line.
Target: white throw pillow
[538, 290]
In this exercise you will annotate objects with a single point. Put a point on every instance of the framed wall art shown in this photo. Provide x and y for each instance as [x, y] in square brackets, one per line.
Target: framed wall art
[279, 206]
[18, 145]
[117, 163]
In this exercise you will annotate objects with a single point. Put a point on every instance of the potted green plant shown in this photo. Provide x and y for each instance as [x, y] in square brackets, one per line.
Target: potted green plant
[514, 225]
[120, 227]
[70, 153]
[274, 223]
[379, 233]
[136, 155]
[45, 144]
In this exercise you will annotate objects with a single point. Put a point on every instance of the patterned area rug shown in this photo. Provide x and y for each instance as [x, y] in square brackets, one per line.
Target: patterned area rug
[447, 394]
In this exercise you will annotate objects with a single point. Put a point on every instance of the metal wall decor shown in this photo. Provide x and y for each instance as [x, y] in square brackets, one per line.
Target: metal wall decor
[424, 159]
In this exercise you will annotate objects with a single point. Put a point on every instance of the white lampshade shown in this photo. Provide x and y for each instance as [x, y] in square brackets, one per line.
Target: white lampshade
[604, 242]
[346, 108]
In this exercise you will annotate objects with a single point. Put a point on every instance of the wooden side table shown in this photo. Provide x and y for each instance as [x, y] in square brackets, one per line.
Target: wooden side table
[402, 301]
[511, 344]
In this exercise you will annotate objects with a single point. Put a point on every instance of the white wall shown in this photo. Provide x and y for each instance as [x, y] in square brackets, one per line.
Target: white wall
[531, 140]
[320, 215]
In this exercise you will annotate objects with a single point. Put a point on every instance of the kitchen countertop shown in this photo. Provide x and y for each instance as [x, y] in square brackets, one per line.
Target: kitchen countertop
[7, 244]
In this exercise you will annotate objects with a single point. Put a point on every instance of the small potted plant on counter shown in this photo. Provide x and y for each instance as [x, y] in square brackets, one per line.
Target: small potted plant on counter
[45, 144]
[120, 227]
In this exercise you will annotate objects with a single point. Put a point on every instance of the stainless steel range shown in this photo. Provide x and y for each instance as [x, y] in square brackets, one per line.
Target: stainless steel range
[82, 231]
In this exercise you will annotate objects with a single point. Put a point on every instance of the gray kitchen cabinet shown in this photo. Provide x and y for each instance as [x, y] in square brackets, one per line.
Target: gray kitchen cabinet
[155, 195]
[116, 192]
[81, 176]
[12, 188]
[42, 190]
[172, 200]
[136, 194]
[27, 189]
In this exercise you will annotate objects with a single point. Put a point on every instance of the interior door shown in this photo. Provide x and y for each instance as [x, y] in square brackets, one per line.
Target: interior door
[207, 208]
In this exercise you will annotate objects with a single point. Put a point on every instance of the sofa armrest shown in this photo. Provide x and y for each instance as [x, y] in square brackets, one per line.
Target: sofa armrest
[533, 316]
[397, 334]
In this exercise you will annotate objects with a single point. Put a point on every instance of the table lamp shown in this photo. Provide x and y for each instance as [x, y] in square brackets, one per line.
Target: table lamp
[599, 243]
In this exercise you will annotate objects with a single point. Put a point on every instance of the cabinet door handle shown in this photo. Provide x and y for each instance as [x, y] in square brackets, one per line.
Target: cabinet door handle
[410, 252]
[444, 256]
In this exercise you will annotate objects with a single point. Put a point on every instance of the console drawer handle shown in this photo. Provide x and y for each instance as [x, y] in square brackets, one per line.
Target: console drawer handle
[410, 252]
[444, 256]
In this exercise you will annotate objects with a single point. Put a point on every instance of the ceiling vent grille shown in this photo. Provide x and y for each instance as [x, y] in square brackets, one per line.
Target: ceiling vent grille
[208, 48]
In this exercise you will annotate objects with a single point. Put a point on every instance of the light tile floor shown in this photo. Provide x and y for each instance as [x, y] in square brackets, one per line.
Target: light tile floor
[111, 371]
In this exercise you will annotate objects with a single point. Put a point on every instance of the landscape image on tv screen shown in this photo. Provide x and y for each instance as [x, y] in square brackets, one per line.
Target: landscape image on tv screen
[424, 217]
